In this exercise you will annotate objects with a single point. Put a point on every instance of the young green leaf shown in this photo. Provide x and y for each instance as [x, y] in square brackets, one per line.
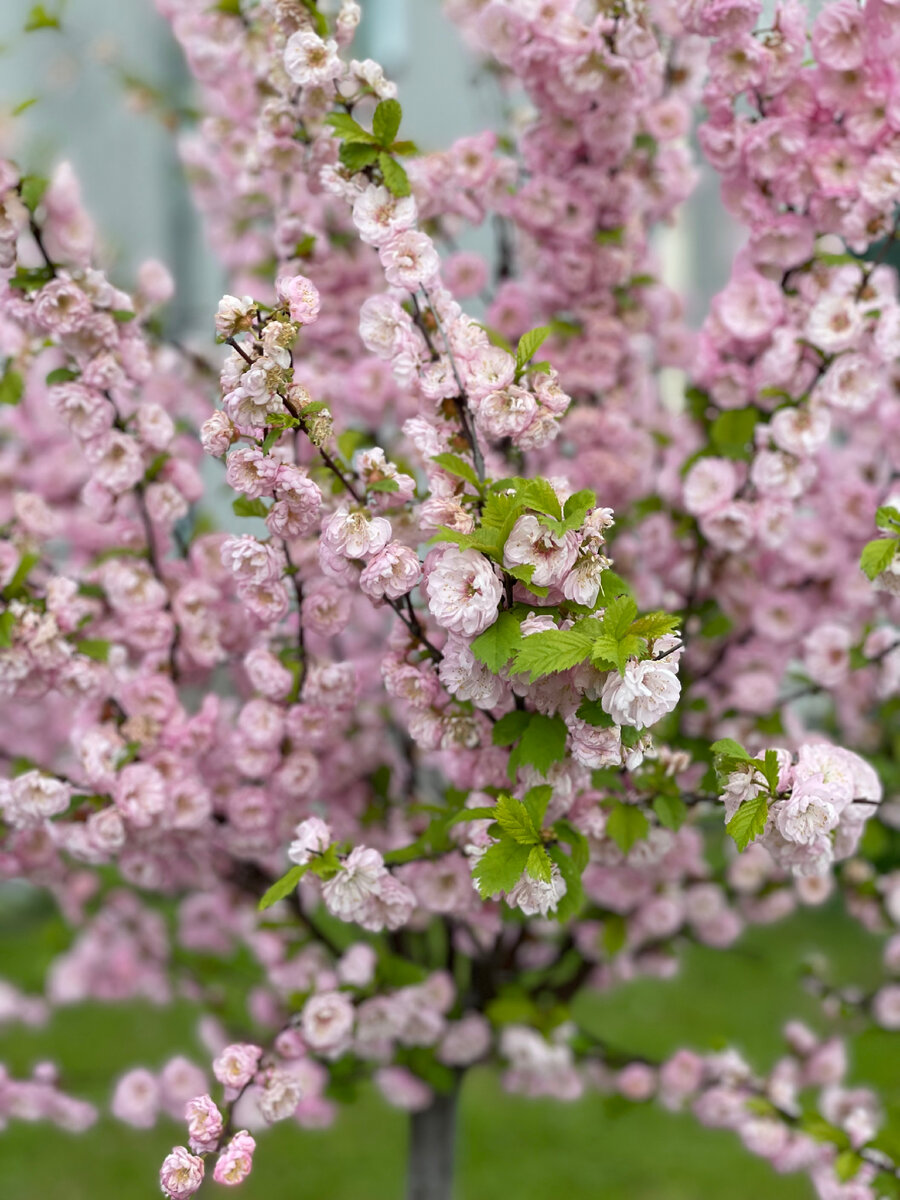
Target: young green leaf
[12, 385]
[543, 742]
[514, 819]
[282, 887]
[877, 555]
[569, 904]
[654, 624]
[510, 727]
[245, 507]
[887, 517]
[749, 821]
[356, 156]
[729, 748]
[670, 810]
[538, 865]
[394, 174]
[500, 867]
[626, 825]
[529, 344]
[386, 122]
[591, 711]
[61, 375]
[96, 648]
[7, 624]
[552, 650]
[39, 18]
[454, 465]
[536, 801]
[347, 129]
[496, 646]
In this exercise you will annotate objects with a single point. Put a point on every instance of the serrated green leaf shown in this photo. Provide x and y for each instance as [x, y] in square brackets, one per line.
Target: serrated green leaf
[529, 344]
[283, 887]
[12, 386]
[887, 517]
[39, 18]
[543, 742]
[577, 507]
[731, 432]
[356, 156]
[500, 867]
[7, 624]
[749, 822]
[613, 585]
[496, 646]
[454, 465]
[346, 127]
[96, 648]
[538, 865]
[61, 375]
[592, 712]
[626, 825]
[770, 770]
[614, 935]
[654, 625]
[670, 810]
[394, 174]
[514, 819]
[536, 801]
[570, 904]
[386, 122]
[877, 556]
[243, 506]
[729, 748]
[552, 650]
[510, 727]
[618, 616]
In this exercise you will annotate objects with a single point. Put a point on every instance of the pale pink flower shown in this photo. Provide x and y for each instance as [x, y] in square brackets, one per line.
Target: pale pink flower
[181, 1174]
[463, 591]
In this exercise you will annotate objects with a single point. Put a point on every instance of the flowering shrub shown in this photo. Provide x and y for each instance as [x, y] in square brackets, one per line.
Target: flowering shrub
[446, 725]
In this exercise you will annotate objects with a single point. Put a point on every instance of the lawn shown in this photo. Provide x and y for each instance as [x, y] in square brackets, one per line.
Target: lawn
[510, 1147]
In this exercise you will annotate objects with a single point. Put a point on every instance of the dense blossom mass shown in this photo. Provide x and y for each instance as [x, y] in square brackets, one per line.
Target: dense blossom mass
[528, 590]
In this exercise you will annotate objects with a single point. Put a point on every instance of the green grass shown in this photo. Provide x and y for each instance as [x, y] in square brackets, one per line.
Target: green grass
[509, 1146]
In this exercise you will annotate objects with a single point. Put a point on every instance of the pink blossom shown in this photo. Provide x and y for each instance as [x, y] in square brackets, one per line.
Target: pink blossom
[181, 1174]
[463, 591]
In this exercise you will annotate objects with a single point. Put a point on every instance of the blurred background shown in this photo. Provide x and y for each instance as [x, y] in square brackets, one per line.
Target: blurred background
[104, 90]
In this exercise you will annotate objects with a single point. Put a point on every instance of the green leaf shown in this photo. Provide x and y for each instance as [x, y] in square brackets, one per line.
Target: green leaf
[96, 648]
[729, 748]
[592, 712]
[538, 865]
[243, 506]
[23, 106]
[887, 517]
[156, 466]
[614, 935]
[626, 825]
[609, 237]
[12, 385]
[577, 507]
[670, 810]
[514, 819]
[510, 727]
[347, 129]
[654, 624]
[500, 867]
[23, 570]
[496, 338]
[386, 122]
[846, 1165]
[581, 850]
[319, 21]
[552, 650]
[496, 646]
[877, 556]
[7, 624]
[395, 178]
[770, 770]
[732, 432]
[356, 156]
[543, 742]
[749, 821]
[283, 887]
[61, 375]
[39, 18]
[305, 246]
[404, 147]
[123, 315]
[612, 586]
[536, 801]
[618, 616]
[454, 465]
[570, 904]
[383, 485]
[529, 344]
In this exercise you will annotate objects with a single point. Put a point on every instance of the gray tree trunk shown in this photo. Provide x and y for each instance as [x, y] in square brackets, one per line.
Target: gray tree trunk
[432, 1149]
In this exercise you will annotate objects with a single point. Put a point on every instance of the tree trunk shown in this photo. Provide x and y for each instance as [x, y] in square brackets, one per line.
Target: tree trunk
[432, 1149]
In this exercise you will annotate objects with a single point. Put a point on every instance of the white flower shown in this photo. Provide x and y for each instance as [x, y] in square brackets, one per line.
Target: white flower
[310, 61]
[530, 543]
[533, 896]
[378, 214]
[311, 837]
[327, 1021]
[355, 534]
[234, 315]
[645, 693]
[466, 678]
[804, 817]
[347, 893]
[463, 592]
